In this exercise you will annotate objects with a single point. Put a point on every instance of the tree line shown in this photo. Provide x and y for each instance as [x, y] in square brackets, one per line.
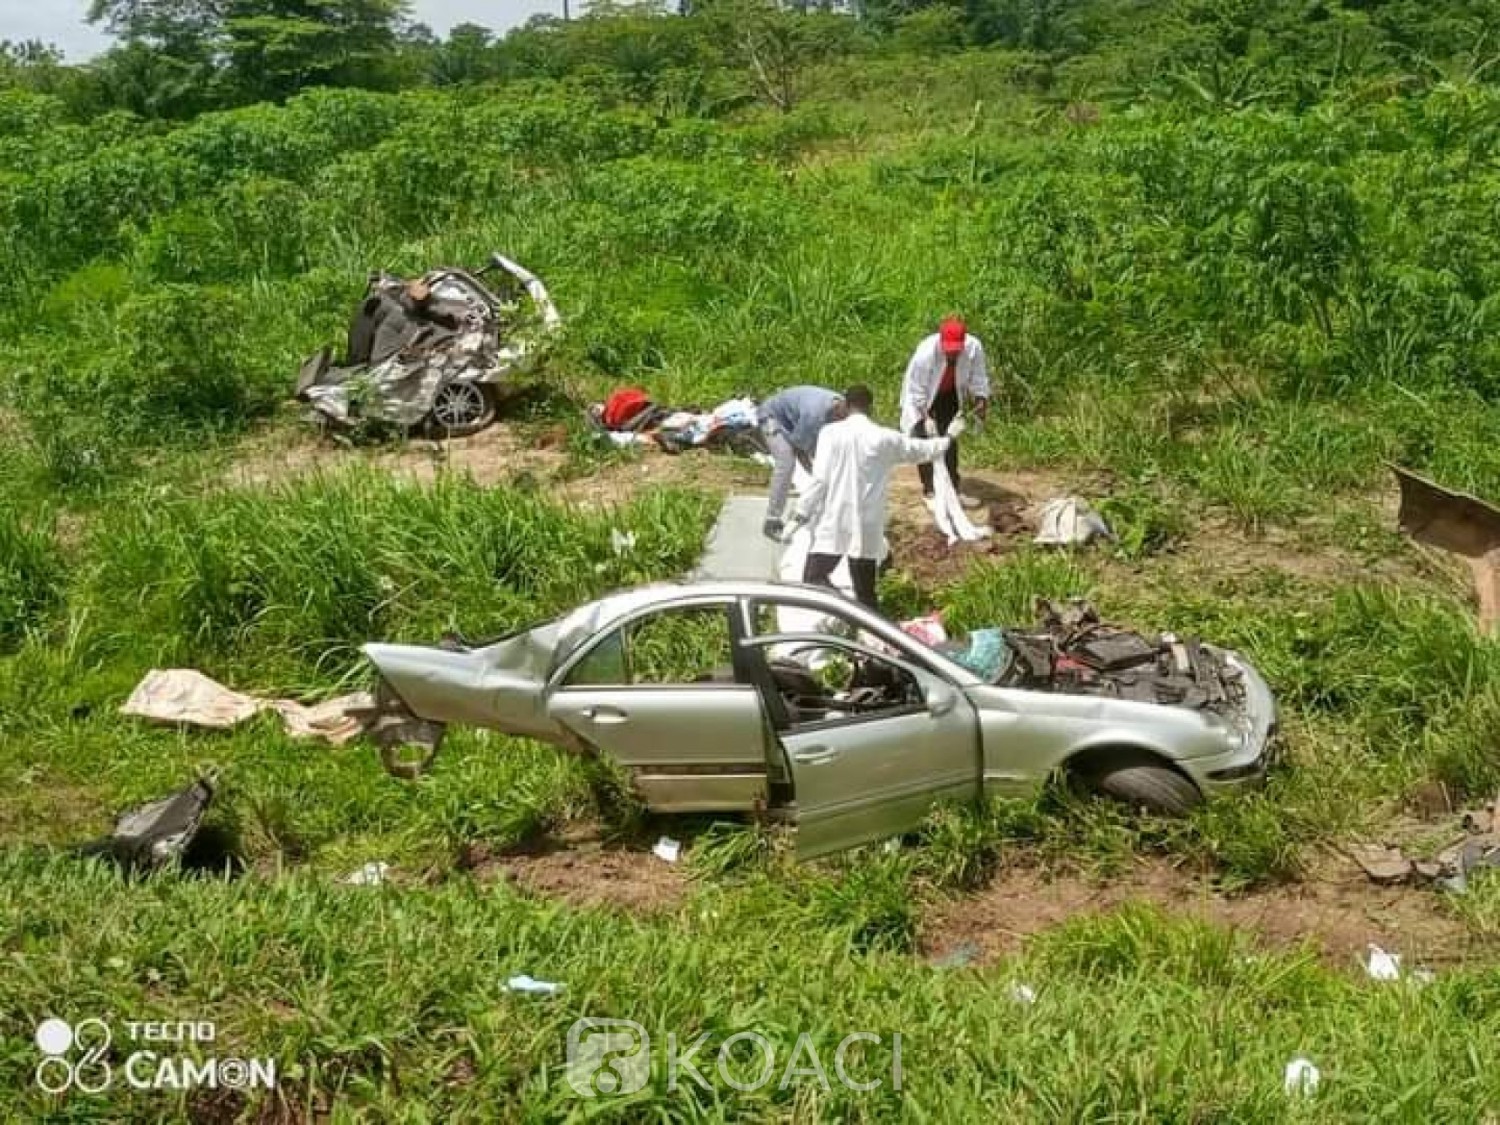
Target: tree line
[177, 58]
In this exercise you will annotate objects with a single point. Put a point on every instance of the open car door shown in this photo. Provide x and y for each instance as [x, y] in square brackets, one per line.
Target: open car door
[872, 742]
[661, 696]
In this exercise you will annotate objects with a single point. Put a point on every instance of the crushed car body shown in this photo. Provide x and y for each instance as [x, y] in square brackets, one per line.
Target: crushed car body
[794, 702]
[435, 352]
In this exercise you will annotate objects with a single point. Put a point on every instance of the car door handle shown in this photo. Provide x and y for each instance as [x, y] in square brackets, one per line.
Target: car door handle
[605, 715]
[815, 756]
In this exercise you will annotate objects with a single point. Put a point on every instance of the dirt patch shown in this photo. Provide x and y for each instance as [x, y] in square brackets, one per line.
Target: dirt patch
[502, 454]
[1336, 912]
[581, 870]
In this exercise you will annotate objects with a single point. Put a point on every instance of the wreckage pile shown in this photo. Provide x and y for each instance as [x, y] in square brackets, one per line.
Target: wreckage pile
[1072, 650]
[1476, 848]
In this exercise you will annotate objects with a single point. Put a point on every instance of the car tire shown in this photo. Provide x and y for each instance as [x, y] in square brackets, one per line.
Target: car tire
[1142, 781]
[475, 412]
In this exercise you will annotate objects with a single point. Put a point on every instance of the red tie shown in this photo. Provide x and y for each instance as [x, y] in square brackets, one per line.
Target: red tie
[950, 376]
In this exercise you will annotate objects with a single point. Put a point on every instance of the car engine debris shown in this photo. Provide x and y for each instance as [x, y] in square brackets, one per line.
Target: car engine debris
[1072, 650]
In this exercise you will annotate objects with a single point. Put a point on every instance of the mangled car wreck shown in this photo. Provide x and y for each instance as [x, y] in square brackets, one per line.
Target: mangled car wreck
[433, 353]
[794, 702]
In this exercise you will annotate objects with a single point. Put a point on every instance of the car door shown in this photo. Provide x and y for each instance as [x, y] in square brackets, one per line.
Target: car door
[861, 773]
[659, 693]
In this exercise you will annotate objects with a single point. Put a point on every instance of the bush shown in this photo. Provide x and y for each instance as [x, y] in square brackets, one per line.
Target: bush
[31, 577]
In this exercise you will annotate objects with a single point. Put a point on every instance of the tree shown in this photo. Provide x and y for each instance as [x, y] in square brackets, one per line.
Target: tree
[259, 49]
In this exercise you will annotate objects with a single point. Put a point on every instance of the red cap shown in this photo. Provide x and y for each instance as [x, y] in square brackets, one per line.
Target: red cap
[951, 335]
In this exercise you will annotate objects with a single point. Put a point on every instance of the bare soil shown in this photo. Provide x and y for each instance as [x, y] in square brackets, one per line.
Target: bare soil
[580, 869]
[1336, 912]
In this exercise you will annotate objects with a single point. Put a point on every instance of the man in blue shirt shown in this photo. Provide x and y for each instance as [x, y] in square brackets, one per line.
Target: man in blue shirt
[791, 421]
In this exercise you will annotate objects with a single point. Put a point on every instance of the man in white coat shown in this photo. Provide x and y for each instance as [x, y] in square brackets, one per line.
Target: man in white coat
[846, 503]
[947, 372]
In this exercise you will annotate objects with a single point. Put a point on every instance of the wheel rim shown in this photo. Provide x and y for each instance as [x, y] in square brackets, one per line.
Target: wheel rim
[459, 404]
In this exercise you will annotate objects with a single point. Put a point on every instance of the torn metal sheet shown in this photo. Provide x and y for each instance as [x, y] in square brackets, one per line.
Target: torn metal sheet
[433, 351]
[156, 833]
[1460, 523]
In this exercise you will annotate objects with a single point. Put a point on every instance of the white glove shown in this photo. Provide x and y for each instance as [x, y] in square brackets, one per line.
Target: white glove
[929, 427]
[956, 428]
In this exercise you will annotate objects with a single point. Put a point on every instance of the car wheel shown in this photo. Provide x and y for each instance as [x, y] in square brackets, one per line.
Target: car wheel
[460, 409]
[1142, 781]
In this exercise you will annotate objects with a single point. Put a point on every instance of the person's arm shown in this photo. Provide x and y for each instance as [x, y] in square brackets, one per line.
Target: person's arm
[915, 387]
[979, 382]
[913, 451]
[810, 503]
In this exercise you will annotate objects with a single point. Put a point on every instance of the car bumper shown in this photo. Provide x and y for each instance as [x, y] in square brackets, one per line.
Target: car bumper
[1246, 766]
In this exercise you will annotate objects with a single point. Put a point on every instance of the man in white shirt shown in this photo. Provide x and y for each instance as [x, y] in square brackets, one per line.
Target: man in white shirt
[947, 372]
[846, 502]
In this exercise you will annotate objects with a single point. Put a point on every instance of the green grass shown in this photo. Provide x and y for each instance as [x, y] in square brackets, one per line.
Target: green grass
[1155, 347]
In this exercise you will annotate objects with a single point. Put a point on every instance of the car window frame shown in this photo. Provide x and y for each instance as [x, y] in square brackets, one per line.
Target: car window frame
[777, 706]
[557, 681]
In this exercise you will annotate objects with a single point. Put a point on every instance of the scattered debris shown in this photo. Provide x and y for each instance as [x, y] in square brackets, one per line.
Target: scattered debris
[630, 417]
[1385, 866]
[184, 697]
[533, 986]
[1069, 521]
[370, 875]
[432, 351]
[156, 833]
[622, 542]
[667, 849]
[1302, 1077]
[1478, 847]
[960, 956]
[1023, 994]
[1381, 965]
[1460, 523]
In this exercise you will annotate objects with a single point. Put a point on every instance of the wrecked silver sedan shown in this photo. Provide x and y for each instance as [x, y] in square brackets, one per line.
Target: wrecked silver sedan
[795, 702]
[433, 353]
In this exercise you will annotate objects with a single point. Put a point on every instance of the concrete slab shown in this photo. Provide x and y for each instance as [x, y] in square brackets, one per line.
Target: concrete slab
[736, 547]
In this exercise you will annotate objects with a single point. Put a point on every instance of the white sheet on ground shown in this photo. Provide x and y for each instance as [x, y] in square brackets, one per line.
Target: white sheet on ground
[186, 697]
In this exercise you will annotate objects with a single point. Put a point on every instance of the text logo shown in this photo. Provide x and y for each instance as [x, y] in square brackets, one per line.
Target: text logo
[608, 1057]
[59, 1042]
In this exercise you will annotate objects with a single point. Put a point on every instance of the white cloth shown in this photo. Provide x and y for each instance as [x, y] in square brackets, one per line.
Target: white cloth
[1068, 521]
[925, 371]
[948, 509]
[846, 503]
[184, 697]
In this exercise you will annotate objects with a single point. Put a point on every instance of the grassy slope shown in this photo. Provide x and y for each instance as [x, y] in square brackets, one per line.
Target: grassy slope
[390, 1001]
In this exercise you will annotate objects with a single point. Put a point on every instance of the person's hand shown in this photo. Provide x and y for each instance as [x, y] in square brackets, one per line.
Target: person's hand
[956, 428]
[929, 427]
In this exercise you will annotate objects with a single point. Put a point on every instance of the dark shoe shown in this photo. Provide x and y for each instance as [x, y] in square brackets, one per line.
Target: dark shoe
[772, 529]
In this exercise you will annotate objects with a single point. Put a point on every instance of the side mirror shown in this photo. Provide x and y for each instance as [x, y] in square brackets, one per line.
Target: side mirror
[940, 698]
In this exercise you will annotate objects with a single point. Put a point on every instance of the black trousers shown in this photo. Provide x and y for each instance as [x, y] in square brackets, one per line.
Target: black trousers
[944, 410]
[819, 572]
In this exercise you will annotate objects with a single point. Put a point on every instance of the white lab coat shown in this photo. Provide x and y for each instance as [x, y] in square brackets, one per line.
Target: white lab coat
[845, 505]
[925, 372]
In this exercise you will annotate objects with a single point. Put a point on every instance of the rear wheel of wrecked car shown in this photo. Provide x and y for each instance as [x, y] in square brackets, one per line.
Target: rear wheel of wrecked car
[461, 409]
[1139, 780]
